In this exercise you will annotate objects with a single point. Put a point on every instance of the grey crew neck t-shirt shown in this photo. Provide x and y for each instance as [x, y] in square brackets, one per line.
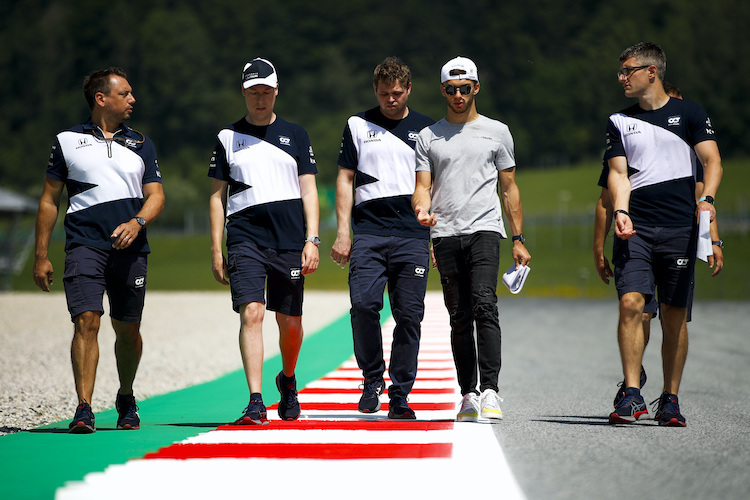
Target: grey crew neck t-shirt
[464, 160]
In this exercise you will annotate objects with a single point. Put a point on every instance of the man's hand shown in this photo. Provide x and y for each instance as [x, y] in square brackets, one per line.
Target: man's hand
[219, 267]
[708, 207]
[43, 274]
[603, 268]
[310, 258]
[341, 250]
[521, 256]
[716, 261]
[424, 217]
[623, 226]
[125, 234]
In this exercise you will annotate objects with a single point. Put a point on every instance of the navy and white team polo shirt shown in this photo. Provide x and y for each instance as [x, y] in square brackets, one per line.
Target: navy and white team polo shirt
[104, 179]
[658, 145]
[262, 165]
[381, 151]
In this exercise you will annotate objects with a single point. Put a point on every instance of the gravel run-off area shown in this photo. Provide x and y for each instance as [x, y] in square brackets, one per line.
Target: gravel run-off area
[188, 338]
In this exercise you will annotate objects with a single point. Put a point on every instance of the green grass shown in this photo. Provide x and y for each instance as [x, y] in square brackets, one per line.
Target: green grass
[558, 210]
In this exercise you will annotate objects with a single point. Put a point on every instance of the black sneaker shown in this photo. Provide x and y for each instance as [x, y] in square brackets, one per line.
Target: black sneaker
[668, 411]
[254, 413]
[127, 412]
[621, 387]
[288, 405]
[631, 408]
[83, 421]
[371, 391]
[398, 408]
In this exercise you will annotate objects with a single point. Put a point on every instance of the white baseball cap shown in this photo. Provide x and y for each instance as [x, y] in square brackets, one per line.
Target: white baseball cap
[464, 65]
[259, 72]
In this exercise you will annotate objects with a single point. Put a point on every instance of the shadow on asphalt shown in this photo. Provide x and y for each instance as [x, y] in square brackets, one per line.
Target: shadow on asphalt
[576, 420]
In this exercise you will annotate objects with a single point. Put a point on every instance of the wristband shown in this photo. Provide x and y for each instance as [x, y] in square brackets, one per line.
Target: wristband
[621, 212]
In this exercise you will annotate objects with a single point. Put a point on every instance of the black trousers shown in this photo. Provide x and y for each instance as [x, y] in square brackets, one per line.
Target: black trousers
[468, 267]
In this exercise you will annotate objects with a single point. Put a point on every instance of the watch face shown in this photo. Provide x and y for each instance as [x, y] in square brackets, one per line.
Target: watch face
[141, 221]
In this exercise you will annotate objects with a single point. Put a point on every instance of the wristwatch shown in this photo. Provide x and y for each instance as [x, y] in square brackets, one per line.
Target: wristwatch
[719, 243]
[707, 199]
[315, 240]
[141, 221]
[519, 237]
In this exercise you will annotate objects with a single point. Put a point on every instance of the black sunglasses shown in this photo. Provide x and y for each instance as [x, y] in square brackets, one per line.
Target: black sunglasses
[464, 89]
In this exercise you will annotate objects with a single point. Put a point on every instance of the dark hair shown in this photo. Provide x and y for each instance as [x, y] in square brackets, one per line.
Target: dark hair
[390, 71]
[100, 81]
[647, 53]
[672, 90]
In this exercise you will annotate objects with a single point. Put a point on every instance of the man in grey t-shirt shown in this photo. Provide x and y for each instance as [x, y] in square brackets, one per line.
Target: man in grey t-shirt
[459, 161]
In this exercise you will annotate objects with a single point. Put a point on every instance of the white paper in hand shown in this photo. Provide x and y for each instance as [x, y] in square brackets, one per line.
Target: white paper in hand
[515, 278]
[704, 236]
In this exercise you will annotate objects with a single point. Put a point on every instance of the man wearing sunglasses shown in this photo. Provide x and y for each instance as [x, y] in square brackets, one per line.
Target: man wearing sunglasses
[651, 151]
[114, 191]
[460, 161]
[373, 191]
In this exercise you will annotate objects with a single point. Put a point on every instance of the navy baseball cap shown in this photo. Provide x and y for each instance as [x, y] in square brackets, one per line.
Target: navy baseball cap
[259, 72]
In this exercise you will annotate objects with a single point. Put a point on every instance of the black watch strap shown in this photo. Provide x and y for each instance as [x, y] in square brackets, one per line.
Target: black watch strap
[519, 237]
[718, 243]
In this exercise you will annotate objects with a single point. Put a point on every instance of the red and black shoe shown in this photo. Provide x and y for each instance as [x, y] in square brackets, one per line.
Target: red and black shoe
[254, 413]
[621, 387]
[630, 408]
[127, 412]
[83, 421]
[668, 411]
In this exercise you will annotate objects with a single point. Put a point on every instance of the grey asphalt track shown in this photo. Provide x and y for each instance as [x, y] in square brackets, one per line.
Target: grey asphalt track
[560, 371]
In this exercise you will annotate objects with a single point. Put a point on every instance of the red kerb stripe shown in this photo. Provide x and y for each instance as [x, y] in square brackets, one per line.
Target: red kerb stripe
[332, 451]
[323, 406]
[373, 424]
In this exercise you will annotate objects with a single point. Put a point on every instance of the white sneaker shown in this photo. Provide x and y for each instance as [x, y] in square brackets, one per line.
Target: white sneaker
[469, 408]
[491, 405]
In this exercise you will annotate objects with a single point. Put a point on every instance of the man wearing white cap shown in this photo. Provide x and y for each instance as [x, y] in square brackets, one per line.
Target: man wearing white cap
[263, 171]
[460, 160]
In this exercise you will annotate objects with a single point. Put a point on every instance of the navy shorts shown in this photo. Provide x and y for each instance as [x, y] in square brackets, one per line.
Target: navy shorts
[91, 271]
[652, 306]
[250, 267]
[657, 259]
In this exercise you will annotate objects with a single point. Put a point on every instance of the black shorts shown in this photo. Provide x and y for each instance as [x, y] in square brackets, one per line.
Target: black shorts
[250, 266]
[91, 271]
[657, 259]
